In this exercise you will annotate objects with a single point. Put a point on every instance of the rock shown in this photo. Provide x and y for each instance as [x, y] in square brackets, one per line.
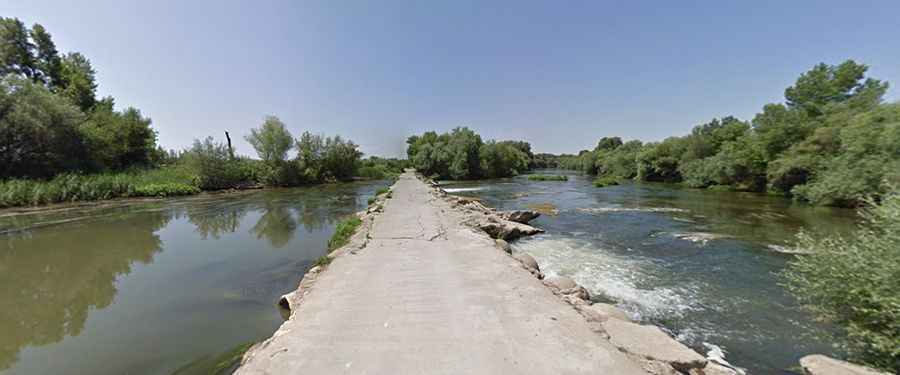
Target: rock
[601, 312]
[506, 230]
[652, 343]
[527, 261]
[567, 287]
[713, 368]
[503, 245]
[519, 216]
[817, 364]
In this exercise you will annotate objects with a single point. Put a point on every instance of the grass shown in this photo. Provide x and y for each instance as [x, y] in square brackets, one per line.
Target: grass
[371, 200]
[545, 177]
[604, 181]
[382, 190]
[222, 364]
[323, 261]
[344, 231]
[161, 182]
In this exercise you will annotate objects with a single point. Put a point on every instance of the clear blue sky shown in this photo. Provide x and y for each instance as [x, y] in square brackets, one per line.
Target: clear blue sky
[559, 74]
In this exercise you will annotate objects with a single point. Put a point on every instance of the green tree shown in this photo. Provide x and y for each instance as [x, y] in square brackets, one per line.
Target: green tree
[117, 140]
[272, 141]
[48, 61]
[16, 50]
[77, 81]
[38, 131]
[853, 282]
[825, 85]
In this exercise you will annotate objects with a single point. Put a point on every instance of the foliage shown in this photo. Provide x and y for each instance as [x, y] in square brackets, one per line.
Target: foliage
[169, 189]
[117, 140]
[833, 142]
[272, 140]
[544, 177]
[852, 282]
[604, 181]
[343, 232]
[382, 190]
[215, 168]
[377, 168]
[461, 154]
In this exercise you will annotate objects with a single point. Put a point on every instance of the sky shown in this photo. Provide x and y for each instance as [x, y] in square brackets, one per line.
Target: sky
[558, 74]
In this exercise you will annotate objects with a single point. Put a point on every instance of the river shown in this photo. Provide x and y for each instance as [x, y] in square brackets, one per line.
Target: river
[157, 287]
[701, 264]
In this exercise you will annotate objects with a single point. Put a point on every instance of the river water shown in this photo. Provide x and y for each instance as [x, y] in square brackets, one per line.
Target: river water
[701, 264]
[157, 287]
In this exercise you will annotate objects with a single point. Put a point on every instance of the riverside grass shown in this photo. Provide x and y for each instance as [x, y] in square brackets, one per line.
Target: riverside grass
[544, 177]
[160, 182]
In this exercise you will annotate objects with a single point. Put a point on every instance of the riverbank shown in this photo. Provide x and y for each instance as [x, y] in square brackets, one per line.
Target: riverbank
[417, 289]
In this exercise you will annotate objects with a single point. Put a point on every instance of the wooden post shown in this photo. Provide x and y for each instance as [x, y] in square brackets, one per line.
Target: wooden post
[230, 150]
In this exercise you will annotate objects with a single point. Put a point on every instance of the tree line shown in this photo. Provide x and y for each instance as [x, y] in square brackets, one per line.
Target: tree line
[461, 154]
[832, 142]
[59, 142]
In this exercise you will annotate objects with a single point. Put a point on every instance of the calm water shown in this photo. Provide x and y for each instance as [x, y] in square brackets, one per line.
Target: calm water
[152, 288]
[698, 263]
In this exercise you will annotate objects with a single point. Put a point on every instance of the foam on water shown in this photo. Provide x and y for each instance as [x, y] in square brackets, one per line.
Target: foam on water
[463, 189]
[622, 279]
[600, 210]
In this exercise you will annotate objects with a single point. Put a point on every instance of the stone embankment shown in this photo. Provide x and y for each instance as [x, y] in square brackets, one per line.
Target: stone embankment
[429, 284]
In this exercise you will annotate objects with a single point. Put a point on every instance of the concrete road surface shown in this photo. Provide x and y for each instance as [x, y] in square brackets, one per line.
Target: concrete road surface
[430, 296]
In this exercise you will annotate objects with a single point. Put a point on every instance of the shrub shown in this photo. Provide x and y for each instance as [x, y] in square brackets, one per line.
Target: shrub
[853, 282]
[604, 181]
[215, 168]
[343, 232]
[371, 200]
[382, 190]
[544, 177]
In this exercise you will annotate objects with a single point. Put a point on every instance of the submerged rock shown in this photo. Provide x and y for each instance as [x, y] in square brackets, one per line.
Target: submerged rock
[652, 343]
[544, 208]
[519, 216]
[817, 364]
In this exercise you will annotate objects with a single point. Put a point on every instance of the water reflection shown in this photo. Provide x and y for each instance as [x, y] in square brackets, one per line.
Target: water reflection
[73, 282]
[50, 282]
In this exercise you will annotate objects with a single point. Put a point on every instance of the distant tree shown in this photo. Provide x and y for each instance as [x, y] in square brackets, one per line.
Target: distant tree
[38, 131]
[77, 80]
[824, 85]
[341, 158]
[311, 153]
[47, 61]
[16, 50]
[272, 141]
[117, 140]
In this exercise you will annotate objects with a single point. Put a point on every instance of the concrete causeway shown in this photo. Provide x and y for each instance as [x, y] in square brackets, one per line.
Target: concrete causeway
[429, 295]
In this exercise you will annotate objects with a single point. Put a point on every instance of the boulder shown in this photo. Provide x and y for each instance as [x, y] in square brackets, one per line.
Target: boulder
[567, 287]
[713, 368]
[601, 312]
[503, 245]
[817, 364]
[527, 261]
[519, 216]
[506, 230]
[652, 343]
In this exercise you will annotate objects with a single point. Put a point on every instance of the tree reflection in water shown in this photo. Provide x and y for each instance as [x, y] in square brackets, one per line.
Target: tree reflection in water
[50, 282]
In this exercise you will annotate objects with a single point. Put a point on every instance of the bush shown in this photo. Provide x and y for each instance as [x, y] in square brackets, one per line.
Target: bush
[544, 177]
[343, 232]
[371, 200]
[853, 282]
[604, 181]
[216, 169]
[382, 190]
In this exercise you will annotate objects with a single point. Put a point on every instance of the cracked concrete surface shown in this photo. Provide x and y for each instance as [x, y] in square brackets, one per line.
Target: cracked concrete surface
[430, 296]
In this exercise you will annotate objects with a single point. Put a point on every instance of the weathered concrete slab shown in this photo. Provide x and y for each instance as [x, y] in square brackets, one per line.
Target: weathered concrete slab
[817, 364]
[429, 296]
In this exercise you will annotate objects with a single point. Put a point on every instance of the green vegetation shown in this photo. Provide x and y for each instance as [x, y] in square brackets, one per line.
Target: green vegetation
[322, 261]
[833, 142]
[376, 168]
[461, 154]
[343, 232]
[371, 200]
[545, 177]
[604, 181]
[853, 282]
[222, 364]
[382, 190]
[60, 143]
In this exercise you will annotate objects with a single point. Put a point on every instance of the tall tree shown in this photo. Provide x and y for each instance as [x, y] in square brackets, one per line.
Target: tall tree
[272, 140]
[78, 81]
[47, 59]
[16, 50]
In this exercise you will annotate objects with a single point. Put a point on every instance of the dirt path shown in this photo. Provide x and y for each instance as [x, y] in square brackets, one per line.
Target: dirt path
[430, 296]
